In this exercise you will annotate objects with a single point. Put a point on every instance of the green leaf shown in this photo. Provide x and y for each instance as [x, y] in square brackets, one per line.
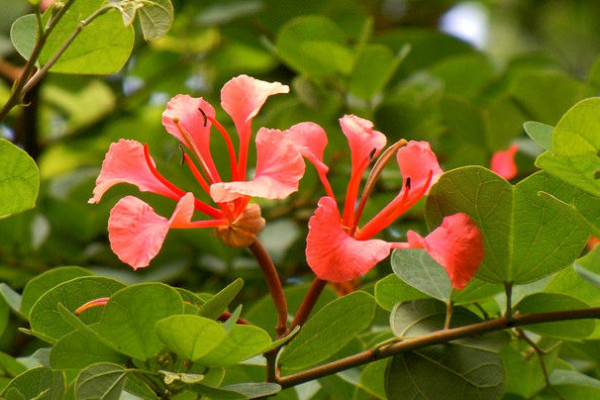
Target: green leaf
[329, 330]
[445, 372]
[372, 378]
[128, 320]
[540, 133]
[190, 336]
[41, 284]
[19, 180]
[574, 384]
[588, 275]
[80, 349]
[192, 304]
[102, 47]
[23, 34]
[10, 366]
[547, 302]
[102, 381]
[45, 316]
[374, 67]
[569, 281]
[238, 391]
[391, 290]
[12, 298]
[219, 302]
[29, 384]
[524, 241]
[315, 46]
[575, 146]
[156, 18]
[241, 343]
[418, 269]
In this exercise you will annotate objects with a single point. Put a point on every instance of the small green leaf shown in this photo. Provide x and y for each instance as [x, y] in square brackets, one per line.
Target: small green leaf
[547, 302]
[29, 385]
[390, 291]
[41, 284]
[588, 275]
[12, 298]
[45, 316]
[127, 323]
[540, 133]
[219, 302]
[156, 18]
[102, 381]
[374, 67]
[445, 372]
[329, 330]
[190, 336]
[19, 180]
[23, 34]
[418, 269]
[238, 391]
[241, 343]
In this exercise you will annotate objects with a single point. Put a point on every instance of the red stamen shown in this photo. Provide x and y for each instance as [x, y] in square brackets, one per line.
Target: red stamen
[207, 165]
[210, 223]
[92, 303]
[243, 156]
[229, 143]
[352, 194]
[178, 192]
[326, 184]
[196, 173]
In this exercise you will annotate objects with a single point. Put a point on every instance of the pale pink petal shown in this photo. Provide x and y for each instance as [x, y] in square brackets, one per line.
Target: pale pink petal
[503, 162]
[242, 98]
[136, 232]
[419, 163]
[125, 163]
[456, 244]
[185, 109]
[279, 168]
[332, 254]
[365, 143]
[310, 139]
[182, 216]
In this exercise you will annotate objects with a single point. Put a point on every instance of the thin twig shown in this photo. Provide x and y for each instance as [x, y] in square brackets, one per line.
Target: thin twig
[310, 299]
[438, 337]
[449, 309]
[508, 290]
[274, 284]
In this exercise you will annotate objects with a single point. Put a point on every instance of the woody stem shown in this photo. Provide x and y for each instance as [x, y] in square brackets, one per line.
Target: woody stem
[310, 299]
[274, 284]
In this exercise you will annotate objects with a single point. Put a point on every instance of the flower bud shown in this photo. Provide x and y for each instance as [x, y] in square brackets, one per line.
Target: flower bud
[242, 232]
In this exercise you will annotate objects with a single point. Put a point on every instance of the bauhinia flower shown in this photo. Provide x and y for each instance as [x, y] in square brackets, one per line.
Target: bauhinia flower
[338, 250]
[137, 233]
[503, 162]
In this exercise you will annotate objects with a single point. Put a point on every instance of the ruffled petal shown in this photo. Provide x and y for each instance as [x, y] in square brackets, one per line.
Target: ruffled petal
[182, 216]
[136, 232]
[456, 244]
[364, 142]
[418, 162]
[503, 162]
[279, 168]
[242, 98]
[185, 109]
[310, 140]
[332, 254]
[125, 163]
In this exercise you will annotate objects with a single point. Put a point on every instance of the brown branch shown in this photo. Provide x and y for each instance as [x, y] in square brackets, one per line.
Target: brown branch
[310, 299]
[438, 337]
[274, 284]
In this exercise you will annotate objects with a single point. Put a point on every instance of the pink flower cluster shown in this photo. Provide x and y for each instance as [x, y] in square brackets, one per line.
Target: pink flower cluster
[337, 249]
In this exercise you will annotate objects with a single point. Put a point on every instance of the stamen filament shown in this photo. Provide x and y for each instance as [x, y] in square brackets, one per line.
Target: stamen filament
[229, 143]
[209, 223]
[374, 175]
[326, 184]
[243, 154]
[178, 192]
[210, 171]
[196, 173]
[352, 194]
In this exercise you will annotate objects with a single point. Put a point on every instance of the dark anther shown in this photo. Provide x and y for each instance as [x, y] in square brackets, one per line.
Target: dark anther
[407, 184]
[182, 154]
[372, 154]
[204, 115]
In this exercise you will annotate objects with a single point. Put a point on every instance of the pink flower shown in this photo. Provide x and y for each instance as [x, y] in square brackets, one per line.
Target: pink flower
[137, 233]
[337, 249]
[503, 162]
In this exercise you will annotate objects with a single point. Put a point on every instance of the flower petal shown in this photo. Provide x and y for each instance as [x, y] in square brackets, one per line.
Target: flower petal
[456, 244]
[125, 163]
[332, 254]
[242, 98]
[503, 162]
[185, 109]
[310, 140]
[364, 142]
[136, 232]
[417, 161]
[279, 168]
[182, 216]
